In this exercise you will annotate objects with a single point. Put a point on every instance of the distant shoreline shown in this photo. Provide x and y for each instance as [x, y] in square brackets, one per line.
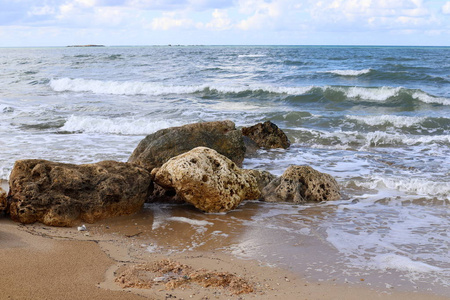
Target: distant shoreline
[86, 46]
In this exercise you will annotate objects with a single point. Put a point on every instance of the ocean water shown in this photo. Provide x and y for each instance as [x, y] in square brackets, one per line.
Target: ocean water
[376, 118]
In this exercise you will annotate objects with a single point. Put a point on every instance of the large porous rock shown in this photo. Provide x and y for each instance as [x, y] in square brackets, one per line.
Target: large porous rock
[300, 184]
[157, 148]
[2, 199]
[267, 135]
[208, 180]
[60, 194]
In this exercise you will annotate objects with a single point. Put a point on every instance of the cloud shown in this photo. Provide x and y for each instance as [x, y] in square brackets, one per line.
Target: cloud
[446, 8]
[262, 13]
[364, 14]
[170, 21]
[220, 20]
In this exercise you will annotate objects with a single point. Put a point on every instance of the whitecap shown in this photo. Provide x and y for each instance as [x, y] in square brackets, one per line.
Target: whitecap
[251, 55]
[349, 72]
[114, 126]
[397, 121]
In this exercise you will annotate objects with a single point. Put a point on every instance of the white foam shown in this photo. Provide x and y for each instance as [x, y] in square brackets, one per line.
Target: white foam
[251, 55]
[379, 138]
[190, 221]
[402, 263]
[397, 121]
[150, 88]
[115, 126]
[430, 99]
[349, 72]
[374, 94]
[420, 186]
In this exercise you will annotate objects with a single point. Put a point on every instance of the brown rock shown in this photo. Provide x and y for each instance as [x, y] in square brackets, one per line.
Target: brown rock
[157, 148]
[267, 135]
[2, 199]
[160, 194]
[263, 178]
[208, 180]
[59, 194]
[300, 184]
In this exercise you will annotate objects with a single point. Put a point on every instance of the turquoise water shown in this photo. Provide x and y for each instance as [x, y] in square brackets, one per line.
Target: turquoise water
[376, 118]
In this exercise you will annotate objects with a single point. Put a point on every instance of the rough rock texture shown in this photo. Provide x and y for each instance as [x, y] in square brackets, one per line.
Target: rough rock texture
[157, 148]
[208, 180]
[59, 194]
[160, 194]
[263, 178]
[300, 184]
[2, 199]
[267, 135]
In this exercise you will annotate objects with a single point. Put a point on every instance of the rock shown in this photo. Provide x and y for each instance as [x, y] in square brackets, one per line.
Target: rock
[251, 148]
[300, 184]
[160, 194]
[263, 178]
[157, 148]
[60, 194]
[2, 199]
[267, 135]
[208, 180]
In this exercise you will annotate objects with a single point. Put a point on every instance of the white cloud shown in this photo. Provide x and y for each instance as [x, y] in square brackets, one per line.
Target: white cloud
[220, 20]
[262, 13]
[41, 10]
[446, 8]
[381, 14]
[170, 21]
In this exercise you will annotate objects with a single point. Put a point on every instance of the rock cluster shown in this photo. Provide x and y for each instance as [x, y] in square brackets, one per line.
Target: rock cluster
[157, 148]
[59, 194]
[196, 163]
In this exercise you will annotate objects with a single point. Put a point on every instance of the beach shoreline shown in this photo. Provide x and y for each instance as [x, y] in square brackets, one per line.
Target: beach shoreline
[84, 264]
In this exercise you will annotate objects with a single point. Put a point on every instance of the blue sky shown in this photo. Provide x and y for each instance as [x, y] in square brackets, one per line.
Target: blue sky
[224, 22]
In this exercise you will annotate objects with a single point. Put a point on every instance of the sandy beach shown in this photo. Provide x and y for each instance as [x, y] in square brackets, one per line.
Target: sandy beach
[42, 262]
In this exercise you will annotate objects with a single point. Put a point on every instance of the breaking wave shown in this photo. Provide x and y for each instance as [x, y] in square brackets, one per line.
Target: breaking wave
[380, 94]
[124, 126]
[349, 72]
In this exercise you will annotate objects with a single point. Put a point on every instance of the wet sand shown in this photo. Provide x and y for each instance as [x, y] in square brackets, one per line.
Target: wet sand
[42, 262]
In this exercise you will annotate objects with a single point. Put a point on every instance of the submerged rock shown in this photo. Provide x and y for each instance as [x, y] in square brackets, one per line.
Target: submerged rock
[267, 135]
[208, 180]
[2, 199]
[300, 184]
[59, 194]
[157, 148]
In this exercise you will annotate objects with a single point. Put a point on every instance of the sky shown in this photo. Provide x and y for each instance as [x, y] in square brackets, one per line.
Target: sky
[224, 22]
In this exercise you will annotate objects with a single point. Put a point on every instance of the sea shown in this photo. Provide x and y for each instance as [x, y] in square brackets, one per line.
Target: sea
[376, 118]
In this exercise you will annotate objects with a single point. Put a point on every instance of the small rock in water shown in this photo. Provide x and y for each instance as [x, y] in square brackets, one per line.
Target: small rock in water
[82, 228]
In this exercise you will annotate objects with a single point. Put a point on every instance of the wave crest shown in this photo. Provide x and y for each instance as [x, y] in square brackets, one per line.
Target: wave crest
[353, 93]
[122, 126]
